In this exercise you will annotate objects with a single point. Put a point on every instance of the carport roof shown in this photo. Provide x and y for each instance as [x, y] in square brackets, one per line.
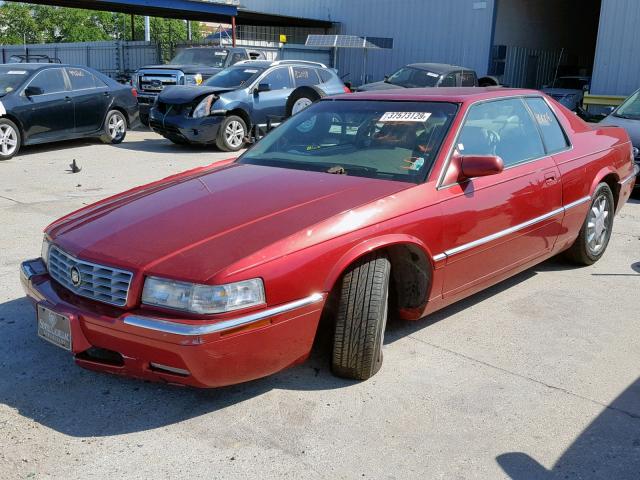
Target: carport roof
[195, 10]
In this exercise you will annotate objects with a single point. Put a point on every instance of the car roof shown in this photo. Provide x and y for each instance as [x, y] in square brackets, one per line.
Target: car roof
[32, 67]
[438, 94]
[437, 67]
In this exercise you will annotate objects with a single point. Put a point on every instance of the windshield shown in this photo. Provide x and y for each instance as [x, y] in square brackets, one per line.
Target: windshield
[201, 56]
[570, 83]
[11, 78]
[630, 108]
[234, 77]
[410, 77]
[376, 139]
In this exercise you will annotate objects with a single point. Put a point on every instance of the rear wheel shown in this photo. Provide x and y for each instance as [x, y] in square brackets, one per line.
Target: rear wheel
[362, 317]
[596, 230]
[231, 134]
[301, 98]
[115, 127]
[9, 139]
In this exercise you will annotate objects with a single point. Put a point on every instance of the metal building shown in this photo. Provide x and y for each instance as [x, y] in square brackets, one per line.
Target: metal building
[523, 42]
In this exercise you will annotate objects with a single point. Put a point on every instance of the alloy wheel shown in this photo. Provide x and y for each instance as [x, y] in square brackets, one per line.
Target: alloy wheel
[8, 140]
[117, 126]
[234, 133]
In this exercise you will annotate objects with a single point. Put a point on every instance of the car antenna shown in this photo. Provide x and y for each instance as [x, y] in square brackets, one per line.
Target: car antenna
[555, 75]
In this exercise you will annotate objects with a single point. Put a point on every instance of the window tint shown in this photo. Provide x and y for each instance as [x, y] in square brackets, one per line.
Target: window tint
[324, 76]
[278, 79]
[552, 133]
[305, 76]
[449, 80]
[468, 79]
[81, 79]
[236, 57]
[502, 127]
[50, 81]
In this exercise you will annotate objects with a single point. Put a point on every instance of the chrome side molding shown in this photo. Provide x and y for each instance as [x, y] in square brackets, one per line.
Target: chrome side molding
[175, 328]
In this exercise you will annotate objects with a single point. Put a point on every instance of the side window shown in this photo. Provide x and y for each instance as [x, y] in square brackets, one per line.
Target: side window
[278, 79]
[324, 76]
[80, 79]
[552, 133]
[237, 57]
[50, 81]
[501, 127]
[468, 79]
[449, 81]
[305, 76]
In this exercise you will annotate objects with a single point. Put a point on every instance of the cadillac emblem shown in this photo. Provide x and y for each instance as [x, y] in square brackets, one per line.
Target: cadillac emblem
[76, 278]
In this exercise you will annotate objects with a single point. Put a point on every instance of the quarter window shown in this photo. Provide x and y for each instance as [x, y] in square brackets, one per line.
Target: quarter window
[467, 79]
[552, 133]
[502, 127]
[81, 79]
[50, 80]
[305, 76]
[278, 79]
[449, 81]
[324, 76]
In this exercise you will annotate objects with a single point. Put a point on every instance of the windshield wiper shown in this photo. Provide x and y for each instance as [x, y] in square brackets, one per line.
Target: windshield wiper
[628, 117]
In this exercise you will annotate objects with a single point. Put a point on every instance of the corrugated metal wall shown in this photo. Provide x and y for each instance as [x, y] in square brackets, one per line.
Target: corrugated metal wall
[448, 31]
[515, 72]
[617, 63]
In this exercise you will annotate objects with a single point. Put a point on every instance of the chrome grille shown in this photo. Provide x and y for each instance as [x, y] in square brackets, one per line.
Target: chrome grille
[155, 81]
[97, 282]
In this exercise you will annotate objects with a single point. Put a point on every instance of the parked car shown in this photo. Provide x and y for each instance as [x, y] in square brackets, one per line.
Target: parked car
[191, 67]
[359, 204]
[232, 102]
[569, 91]
[627, 116]
[42, 103]
[419, 75]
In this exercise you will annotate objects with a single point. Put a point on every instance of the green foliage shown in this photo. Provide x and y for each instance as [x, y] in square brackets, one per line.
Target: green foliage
[20, 22]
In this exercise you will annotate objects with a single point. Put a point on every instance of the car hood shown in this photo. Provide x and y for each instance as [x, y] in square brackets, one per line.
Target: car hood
[377, 86]
[178, 94]
[188, 69]
[222, 215]
[632, 127]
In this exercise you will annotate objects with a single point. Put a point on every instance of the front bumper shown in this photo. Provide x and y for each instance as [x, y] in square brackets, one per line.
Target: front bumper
[177, 350]
[185, 129]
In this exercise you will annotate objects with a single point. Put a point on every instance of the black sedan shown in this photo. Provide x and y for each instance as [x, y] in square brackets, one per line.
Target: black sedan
[41, 103]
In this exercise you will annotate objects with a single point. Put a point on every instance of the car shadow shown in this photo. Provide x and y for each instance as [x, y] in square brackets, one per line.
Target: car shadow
[609, 448]
[41, 381]
[57, 146]
[162, 145]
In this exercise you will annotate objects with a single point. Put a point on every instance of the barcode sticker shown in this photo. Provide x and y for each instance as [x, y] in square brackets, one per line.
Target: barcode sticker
[405, 117]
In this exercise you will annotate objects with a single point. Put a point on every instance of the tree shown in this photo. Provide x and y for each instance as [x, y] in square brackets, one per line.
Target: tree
[20, 22]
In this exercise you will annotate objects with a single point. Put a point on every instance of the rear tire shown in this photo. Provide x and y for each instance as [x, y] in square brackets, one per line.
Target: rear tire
[595, 233]
[361, 319]
[231, 134]
[301, 98]
[115, 127]
[10, 139]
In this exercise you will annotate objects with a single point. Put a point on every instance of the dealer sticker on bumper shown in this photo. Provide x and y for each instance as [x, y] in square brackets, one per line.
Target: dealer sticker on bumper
[54, 328]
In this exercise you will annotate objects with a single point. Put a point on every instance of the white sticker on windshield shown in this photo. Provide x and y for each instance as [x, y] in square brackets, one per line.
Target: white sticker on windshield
[220, 54]
[17, 72]
[3, 112]
[250, 71]
[405, 117]
[431, 74]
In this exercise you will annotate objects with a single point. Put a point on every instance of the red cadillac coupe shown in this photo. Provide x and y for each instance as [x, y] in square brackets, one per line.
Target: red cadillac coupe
[361, 203]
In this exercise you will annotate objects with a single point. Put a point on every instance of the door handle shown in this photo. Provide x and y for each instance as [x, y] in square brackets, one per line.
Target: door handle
[68, 99]
[107, 94]
[550, 178]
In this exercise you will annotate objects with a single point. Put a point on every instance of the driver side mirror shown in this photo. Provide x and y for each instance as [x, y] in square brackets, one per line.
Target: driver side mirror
[480, 165]
[262, 87]
[32, 91]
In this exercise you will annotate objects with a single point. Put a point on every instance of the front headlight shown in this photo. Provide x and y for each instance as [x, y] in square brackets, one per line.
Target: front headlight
[44, 251]
[204, 107]
[193, 80]
[203, 299]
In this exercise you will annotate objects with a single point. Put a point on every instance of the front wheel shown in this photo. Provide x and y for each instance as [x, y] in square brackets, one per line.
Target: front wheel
[231, 134]
[115, 128]
[362, 317]
[9, 139]
[596, 230]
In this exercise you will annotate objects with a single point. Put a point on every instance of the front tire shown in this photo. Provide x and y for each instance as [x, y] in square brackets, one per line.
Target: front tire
[231, 134]
[10, 139]
[301, 98]
[362, 318]
[595, 233]
[115, 128]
